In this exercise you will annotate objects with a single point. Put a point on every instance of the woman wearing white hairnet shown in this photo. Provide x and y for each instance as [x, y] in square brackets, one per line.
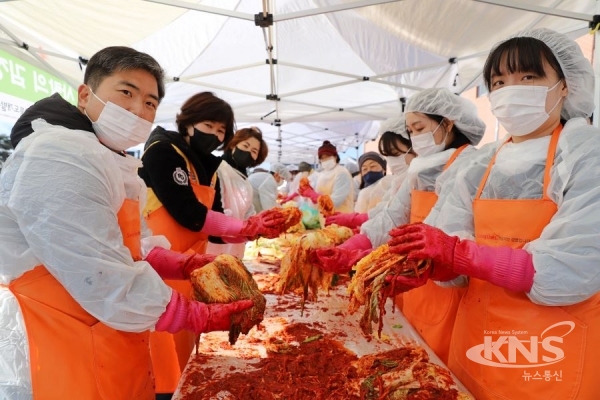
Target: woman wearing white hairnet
[265, 186]
[443, 127]
[526, 214]
[395, 146]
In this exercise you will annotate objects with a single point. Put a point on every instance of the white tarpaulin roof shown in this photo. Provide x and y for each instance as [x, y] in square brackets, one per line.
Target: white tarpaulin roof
[335, 73]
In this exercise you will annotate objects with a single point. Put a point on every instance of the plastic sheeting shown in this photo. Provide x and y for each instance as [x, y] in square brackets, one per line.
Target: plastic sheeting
[236, 196]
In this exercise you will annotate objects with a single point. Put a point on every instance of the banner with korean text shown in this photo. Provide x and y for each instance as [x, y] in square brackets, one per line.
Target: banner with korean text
[22, 84]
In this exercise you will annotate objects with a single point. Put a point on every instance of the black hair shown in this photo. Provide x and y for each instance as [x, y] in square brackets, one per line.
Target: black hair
[205, 106]
[114, 59]
[388, 144]
[523, 54]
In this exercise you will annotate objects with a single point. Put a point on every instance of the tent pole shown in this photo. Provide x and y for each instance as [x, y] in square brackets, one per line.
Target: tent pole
[25, 47]
[442, 75]
[519, 5]
[330, 9]
[468, 85]
[41, 51]
[207, 9]
[400, 85]
[223, 70]
[596, 64]
[316, 69]
[315, 89]
[220, 87]
[404, 71]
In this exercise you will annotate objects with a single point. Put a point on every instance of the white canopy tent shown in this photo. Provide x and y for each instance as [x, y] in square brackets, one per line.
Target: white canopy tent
[302, 70]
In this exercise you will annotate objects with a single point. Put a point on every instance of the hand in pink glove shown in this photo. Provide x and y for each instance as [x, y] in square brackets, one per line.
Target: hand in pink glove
[349, 220]
[308, 191]
[340, 259]
[503, 266]
[424, 242]
[400, 284]
[266, 224]
[337, 260]
[289, 198]
[198, 317]
[172, 265]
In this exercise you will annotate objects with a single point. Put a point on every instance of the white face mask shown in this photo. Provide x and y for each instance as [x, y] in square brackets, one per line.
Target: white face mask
[521, 109]
[424, 144]
[119, 129]
[397, 164]
[328, 164]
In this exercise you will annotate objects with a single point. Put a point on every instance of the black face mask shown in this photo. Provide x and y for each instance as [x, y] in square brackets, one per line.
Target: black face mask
[204, 143]
[242, 158]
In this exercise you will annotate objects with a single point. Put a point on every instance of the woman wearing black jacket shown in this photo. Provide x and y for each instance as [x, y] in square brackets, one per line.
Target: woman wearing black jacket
[184, 205]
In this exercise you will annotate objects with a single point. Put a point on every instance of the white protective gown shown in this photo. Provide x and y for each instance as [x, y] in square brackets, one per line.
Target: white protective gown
[566, 256]
[60, 192]
[396, 181]
[371, 196]
[264, 190]
[236, 196]
[338, 184]
[422, 174]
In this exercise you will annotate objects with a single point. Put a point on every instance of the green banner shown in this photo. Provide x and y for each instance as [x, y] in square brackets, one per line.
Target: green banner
[21, 79]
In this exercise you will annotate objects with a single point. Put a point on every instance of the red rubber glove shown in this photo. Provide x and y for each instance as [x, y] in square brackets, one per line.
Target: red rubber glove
[264, 224]
[309, 192]
[198, 317]
[289, 198]
[349, 220]
[340, 259]
[405, 283]
[172, 265]
[503, 266]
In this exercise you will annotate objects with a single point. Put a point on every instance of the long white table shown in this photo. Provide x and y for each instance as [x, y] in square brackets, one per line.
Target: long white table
[328, 314]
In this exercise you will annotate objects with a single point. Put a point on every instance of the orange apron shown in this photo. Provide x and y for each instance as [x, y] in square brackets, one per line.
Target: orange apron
[72, 355]
[431, 309]
[171, 352]
[505, 329]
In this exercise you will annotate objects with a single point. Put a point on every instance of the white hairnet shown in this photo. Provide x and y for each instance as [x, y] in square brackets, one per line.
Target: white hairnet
[578, 71]
[441, 101]
[395, 124]
[351, 165]
[280, 169]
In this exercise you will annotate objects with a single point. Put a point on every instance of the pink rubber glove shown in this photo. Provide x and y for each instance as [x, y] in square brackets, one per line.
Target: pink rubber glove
[309, 192]
[349, 220]
[400, 284]
[266, 224]
[340, 259]
[198, 317]
[289, 198]
[218, 224]
[502, 266]
[172, 265]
